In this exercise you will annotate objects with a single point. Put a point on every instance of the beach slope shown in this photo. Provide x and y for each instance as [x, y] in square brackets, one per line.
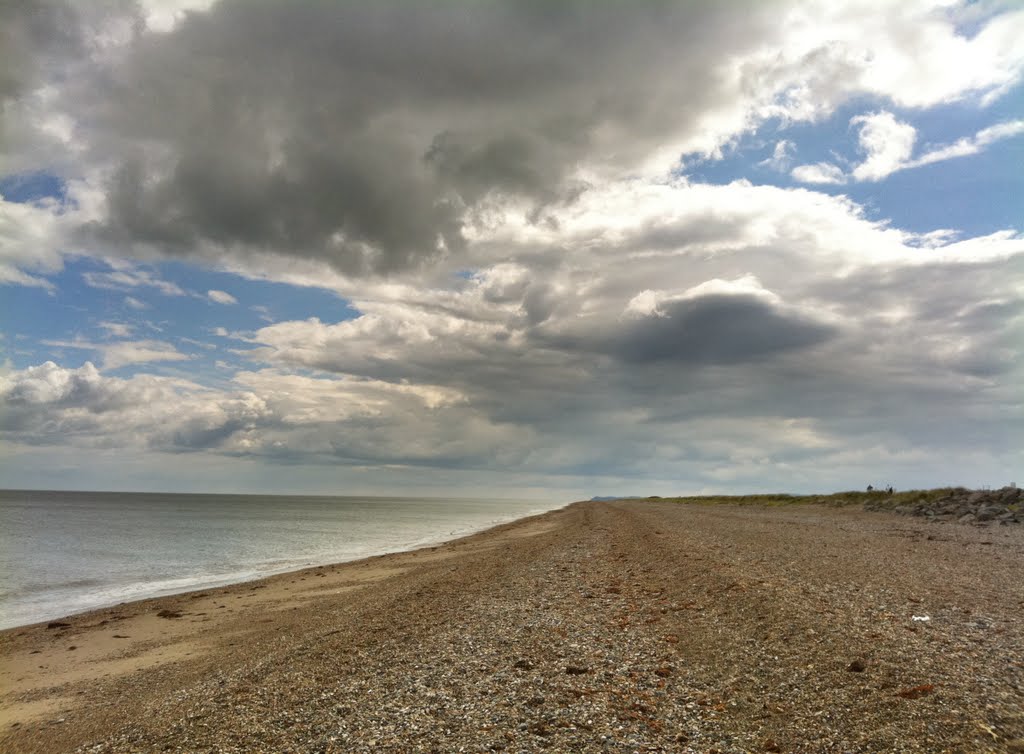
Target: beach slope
[606, 626]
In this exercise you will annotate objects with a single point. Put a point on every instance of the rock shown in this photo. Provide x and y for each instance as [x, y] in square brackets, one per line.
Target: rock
[857, 666]
[963, 505]
[522, 665]
[576, 670]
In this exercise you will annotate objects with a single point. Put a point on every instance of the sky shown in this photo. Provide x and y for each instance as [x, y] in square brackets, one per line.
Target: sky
[516, 249]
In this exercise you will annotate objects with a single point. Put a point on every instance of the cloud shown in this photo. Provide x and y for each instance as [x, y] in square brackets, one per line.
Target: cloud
[782, 156]
[253, 161]
[166, 15]
[264, 414]
[886, 142]
[127, 278]
[48, 404]
[636, 344]
[28, 241]
[220, 297]
[820, 172]
[117, 329]
[528, 283]
[888, 145]
[125, 352]
[970, 145]
[715, 322]
[635, 354]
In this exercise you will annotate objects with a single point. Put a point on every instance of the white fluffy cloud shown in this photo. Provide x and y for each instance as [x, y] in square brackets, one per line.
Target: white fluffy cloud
[125, 277]
[221, 297]
[970, 144]
[265, 414]
[27, 244]
[125, 352]
[888, 143]
[819, 172]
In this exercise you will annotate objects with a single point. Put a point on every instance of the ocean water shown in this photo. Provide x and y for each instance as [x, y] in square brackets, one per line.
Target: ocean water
[66, 552]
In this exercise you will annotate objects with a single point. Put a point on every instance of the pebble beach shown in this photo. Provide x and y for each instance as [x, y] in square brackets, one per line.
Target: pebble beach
[622, 626]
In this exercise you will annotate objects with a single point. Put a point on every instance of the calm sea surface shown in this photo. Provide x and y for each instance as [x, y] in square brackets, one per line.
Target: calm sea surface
[65, 552]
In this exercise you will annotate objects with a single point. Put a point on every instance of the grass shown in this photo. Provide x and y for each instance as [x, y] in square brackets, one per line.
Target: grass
[879, 498]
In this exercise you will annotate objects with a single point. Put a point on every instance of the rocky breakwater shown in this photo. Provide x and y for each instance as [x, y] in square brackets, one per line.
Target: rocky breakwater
[983, 507]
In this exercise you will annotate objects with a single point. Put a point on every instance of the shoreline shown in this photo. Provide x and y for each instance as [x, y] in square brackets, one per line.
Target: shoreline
[619, 626]
[202, 584]
[135, 635]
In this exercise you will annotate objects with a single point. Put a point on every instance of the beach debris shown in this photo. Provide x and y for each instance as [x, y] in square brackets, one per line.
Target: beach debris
[857, 666]
[165, 613]
[916, 692]
[921, 618]
[988, 729]
[58, 624]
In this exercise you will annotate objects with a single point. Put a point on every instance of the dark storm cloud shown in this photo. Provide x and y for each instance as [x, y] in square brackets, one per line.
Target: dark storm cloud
[32, 33]
[706, 330]
[369, 134]
[717, 329]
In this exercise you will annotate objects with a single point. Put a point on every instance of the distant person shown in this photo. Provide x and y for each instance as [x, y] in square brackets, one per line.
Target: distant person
[870, 488]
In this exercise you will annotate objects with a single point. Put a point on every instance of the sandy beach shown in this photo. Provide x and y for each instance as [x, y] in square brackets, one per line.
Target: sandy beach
[612, 626]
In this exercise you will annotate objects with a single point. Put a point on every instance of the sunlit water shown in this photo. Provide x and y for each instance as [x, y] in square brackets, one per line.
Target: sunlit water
[65, 552]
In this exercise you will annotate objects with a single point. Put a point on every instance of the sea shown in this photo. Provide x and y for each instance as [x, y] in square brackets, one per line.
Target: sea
[67, 552]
